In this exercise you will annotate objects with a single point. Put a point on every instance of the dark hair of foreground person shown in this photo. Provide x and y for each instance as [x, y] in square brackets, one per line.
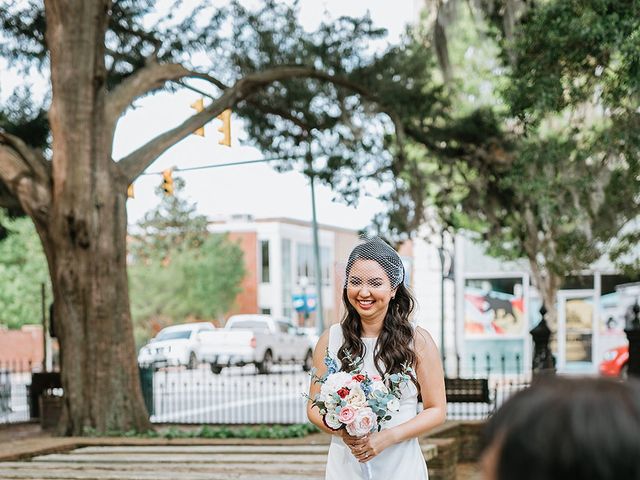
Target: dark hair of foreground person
[566, 429]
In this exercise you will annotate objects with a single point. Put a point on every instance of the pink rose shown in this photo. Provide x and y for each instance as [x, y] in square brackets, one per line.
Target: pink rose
[376, 378]
[364, 422]
[347, 415]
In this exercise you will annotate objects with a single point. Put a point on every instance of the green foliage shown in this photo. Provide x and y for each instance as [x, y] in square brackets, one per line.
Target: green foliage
[23, 269]
[211, 278]
[171, 227]
[544, 166]
[207, 431]
[180, 271]
[574, 51]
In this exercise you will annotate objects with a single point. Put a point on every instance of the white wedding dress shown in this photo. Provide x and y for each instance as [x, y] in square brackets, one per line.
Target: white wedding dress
[402, 461]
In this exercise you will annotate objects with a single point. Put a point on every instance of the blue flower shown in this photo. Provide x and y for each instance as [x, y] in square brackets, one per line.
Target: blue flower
[332, 366]
[366, 388]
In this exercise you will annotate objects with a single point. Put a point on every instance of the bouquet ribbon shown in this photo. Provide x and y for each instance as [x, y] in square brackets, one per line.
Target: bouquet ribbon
[366, 470]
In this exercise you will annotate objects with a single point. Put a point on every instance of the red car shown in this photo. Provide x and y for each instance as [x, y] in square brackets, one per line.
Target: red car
[615, 362]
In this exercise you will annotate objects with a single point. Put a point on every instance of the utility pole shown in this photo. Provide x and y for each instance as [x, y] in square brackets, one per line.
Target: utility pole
[316, 246]
[442, 253]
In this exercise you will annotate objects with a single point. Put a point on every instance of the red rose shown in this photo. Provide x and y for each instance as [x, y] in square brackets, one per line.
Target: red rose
[358, 378]
[343, 392]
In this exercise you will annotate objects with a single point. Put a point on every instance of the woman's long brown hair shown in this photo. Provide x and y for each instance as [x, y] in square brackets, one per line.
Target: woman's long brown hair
[394, 347]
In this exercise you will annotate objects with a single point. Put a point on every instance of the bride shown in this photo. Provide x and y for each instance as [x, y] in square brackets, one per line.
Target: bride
[377, 328]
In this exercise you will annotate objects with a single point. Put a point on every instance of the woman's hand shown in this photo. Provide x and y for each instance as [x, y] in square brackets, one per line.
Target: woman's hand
[355, 444]
[369, 446]
[349, 441]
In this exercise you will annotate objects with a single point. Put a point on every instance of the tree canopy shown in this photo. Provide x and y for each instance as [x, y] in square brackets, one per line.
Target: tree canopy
[539, 156]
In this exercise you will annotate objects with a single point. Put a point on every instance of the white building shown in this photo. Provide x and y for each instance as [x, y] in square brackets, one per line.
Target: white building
[495, 306]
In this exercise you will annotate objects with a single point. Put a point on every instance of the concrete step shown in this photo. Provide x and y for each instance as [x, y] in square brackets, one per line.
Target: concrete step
[68, 474]
[168, 457]
[193, 449]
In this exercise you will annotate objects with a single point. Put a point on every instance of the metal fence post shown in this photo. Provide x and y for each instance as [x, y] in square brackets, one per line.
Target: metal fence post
[543, 360]
[146, 383]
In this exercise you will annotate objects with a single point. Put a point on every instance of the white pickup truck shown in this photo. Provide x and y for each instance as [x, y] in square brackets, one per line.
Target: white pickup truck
[258, 339]
[177, 345]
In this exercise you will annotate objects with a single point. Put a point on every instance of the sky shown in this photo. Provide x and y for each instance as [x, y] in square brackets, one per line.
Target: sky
[255, 189]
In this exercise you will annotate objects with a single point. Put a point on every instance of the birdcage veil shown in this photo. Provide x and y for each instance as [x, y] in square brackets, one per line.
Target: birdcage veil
[384, 256]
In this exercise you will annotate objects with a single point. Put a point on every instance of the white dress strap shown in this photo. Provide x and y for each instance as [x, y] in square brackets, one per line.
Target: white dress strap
[335, 340]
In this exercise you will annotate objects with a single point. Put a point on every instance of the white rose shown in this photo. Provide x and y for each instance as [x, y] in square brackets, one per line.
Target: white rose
[330, 402]
[356, 398]
[334, 382]
[393, 405]
[332, 420]
[364, 422]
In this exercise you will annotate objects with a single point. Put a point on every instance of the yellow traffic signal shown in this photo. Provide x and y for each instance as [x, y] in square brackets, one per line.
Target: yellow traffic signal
[167, 181]
[225, 129]
[198, 105]
[130, 191]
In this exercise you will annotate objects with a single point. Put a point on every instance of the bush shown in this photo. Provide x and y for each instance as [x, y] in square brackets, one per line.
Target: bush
[208, 431]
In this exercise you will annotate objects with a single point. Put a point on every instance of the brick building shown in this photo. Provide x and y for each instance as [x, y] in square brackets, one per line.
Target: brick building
[21, 348]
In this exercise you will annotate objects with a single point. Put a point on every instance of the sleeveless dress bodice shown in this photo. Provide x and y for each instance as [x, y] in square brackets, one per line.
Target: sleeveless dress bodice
[403, 461]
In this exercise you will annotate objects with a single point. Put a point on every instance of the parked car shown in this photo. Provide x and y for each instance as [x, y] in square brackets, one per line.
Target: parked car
[615, 362]
[261, 340]
[176, 345]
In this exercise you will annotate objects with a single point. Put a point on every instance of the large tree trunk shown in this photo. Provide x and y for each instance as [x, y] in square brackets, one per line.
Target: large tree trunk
[86, 234]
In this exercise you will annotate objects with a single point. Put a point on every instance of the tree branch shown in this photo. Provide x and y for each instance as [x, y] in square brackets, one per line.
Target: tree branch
[135, 163]
[34, 160]
[23, 183]
[151, 77]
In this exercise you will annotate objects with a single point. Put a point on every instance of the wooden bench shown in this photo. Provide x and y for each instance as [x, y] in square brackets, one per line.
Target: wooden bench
[467, 390]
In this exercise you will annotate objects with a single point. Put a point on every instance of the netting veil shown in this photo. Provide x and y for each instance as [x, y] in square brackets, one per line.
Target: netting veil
[376, 256]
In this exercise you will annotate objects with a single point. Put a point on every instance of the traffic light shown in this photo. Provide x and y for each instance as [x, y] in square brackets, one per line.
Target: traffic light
[167, 181]
[225, 129]
[130, 191]
[198, 105]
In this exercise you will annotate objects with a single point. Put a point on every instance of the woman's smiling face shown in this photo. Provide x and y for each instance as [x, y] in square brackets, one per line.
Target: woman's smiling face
[369, 289]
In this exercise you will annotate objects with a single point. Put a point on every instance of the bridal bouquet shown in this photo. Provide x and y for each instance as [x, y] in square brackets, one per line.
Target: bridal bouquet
[356, 401]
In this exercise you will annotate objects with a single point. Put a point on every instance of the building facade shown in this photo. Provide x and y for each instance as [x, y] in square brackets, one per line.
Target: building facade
[281, 272]
[497, 305]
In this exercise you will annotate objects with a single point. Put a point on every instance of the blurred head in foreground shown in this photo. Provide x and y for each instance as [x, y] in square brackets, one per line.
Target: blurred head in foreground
[566, 429]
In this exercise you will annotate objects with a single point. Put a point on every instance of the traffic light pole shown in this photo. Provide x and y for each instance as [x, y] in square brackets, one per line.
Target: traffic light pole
[316, 247]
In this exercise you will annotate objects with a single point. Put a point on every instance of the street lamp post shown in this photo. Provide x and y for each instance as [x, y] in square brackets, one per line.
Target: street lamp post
[445, 273]
[543, 361]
